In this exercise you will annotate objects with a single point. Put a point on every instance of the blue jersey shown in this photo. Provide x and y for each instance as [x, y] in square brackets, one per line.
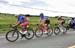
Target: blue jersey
[43, 17]
[21, 19]
[72, 21]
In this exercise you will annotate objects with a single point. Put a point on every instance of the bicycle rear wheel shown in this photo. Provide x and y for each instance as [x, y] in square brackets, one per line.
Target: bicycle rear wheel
[29, 35]
[12, 36]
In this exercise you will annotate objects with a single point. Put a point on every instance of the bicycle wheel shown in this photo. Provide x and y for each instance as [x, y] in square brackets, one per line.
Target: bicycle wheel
[38, 33]
[56, 30]
[64, 30]
[12, 35]
[50, 32]
[29, 35]
[68, 27]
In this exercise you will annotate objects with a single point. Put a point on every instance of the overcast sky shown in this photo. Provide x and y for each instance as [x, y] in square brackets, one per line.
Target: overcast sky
[35, 7]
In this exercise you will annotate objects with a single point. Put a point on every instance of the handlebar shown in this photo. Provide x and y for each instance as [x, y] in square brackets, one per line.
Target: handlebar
[13, 26]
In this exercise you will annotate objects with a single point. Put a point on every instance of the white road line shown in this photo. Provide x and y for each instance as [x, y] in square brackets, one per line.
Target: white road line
[72, 46]
[2, 36]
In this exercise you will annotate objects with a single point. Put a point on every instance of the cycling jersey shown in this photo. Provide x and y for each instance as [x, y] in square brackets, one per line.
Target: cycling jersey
[22, 19]
[43, 17]
[72, 21]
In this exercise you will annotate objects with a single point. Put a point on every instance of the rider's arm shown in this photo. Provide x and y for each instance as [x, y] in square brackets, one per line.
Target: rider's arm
[41, 21]
[17, 23]
[28, 19]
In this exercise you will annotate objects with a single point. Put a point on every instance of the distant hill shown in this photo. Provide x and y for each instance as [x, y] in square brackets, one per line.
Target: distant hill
[6, 14]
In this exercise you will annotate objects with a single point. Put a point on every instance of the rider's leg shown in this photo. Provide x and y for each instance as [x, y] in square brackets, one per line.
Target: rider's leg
[24, 27]
[42, 27]
[45, 28]
[61, 27]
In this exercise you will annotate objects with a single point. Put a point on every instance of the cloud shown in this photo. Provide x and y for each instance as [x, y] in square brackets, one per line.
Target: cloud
[12, 1]
[48, 7]
[31, 3]
[3, 1]
[35, 3]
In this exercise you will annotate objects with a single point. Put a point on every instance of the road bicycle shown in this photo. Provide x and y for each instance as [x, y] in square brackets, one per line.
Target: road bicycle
[39, 31]
[59, 28]
[14, 34]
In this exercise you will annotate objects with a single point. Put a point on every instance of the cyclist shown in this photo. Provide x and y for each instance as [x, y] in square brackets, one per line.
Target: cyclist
[72, 23]
[23, 21]
[44, 22]
[61, 23]
[47, 21]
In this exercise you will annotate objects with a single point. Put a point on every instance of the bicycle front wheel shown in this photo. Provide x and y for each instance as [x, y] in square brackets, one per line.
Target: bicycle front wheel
[64, 30]
[12, 36]
[50, 32]
[38, 33]
[56, 30]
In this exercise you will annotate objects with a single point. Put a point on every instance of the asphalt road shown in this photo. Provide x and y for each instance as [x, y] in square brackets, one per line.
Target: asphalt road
[59, 41]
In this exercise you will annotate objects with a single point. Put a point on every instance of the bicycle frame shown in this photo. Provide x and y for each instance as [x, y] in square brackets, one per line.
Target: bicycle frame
[41, 27]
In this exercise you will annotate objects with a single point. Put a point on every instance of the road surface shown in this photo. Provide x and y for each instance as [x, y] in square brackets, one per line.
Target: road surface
[59, 41]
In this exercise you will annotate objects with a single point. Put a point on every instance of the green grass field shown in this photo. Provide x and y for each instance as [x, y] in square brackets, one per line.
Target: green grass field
[5, 20]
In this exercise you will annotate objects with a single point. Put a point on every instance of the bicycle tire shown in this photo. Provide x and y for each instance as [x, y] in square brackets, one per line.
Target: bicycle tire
[12, 31]
[50, 32]
[56, 28]
[38, 32]
[27, 35]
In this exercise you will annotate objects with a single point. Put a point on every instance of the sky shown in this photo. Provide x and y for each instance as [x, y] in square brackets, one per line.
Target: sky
[35, 7]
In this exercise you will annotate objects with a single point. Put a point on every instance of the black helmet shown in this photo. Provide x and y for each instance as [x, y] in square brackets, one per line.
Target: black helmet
[21, 15]
[27, 15]
[72, 18]
[41, 14]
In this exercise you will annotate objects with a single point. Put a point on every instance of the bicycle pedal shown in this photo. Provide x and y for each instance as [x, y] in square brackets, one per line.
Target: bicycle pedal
[23, 35]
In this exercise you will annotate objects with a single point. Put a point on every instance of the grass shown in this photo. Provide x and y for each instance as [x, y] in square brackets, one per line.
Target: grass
[5, 20]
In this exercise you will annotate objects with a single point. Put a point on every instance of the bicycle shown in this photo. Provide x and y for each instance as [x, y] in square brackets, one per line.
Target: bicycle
[69, 26]
[59, 28]
[39, 31]
[14, 33]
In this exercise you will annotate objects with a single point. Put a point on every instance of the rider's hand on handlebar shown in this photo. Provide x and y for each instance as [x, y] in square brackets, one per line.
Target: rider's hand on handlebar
[13, 25]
